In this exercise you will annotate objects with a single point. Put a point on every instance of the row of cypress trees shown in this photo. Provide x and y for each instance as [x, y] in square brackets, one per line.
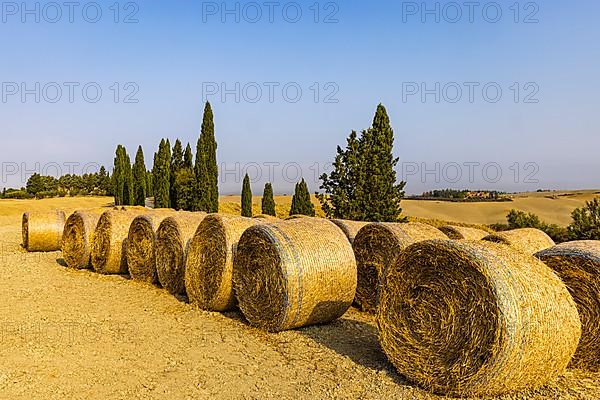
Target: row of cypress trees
[176, 180]
[361, 187]
[301, 202]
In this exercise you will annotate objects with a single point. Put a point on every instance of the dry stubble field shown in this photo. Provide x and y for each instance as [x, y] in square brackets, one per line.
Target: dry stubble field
[76, 334]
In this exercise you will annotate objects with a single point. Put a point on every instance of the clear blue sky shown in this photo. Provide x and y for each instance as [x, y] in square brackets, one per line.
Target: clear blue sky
[369, 52]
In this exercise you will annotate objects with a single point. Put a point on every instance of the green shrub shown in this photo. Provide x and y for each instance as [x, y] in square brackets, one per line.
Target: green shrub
[586, 222]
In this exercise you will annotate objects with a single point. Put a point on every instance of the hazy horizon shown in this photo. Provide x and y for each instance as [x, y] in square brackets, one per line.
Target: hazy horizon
[438, 75]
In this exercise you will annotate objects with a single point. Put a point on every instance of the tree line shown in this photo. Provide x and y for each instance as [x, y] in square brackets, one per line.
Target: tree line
[176, 180]
[179, 181]
[42, 186]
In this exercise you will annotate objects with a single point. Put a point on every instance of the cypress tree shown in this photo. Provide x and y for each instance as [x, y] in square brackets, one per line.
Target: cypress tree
[301, 201]
[161, 174]
[268, 203]
[378, 195]
[246, 198]
[188, 158]
[206, 169]
[155, 167]
[118, 177]
[128, 189]
[176, 165]
[184, 187]
[167, 168]
[308, 207]
[139, 178]
[294, 210]
[149, 184]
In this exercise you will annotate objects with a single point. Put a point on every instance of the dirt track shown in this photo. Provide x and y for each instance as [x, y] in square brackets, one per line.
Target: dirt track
[76, 334]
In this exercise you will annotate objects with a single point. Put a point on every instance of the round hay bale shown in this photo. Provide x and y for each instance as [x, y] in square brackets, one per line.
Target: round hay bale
[209, 265]
[527, 240]
[42, 231]
[109, 254]
[475, 319]
[294, 273]
[350, 228]
[578, 265]
[141, 245]
[78, 237]
[266, 217]
[172, 243]
[296, 216]
[463, 232]
[376, 246]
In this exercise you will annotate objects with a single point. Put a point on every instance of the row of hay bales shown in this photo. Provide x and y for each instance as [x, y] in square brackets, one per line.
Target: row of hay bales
[456, 314]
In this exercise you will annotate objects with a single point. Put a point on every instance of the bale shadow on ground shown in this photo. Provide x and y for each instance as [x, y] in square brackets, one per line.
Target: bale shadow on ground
[61, 261]
[357, 340]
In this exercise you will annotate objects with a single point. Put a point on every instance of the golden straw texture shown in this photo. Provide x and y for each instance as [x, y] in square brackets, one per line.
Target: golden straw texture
[294, 273]
[141, 245]
[350, 228]
[109, 254]
[578, 265]
[376, 246]
[296, 216]
[266, 217]
[172, 243]
[527, 240]
[475, 318]
[463, 232]
[42, 231]
[209, 265]
[78, 237]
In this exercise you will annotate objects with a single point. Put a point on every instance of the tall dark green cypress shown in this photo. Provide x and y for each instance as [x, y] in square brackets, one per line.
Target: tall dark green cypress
[246, 198]
[139, 178]
[176, 165]
[188, 157]
[149, 184]
[268, 203]
[161, 174]
[206, 168]
[301, 201]
[118, 177]
[185, 182]
[377, 192]
[167, 169]
[128, 189]
[155, 168]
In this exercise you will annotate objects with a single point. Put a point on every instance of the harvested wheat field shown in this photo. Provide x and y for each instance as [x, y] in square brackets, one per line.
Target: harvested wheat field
[76, 334]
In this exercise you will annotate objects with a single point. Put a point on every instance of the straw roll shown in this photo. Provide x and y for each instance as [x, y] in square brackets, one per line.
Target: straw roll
[173, 237]
[475, 319]
[209, 265]
[578, 265]
[77, 237]
[294, 273]
[527, 240]
[376, 246]
[42, 231]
